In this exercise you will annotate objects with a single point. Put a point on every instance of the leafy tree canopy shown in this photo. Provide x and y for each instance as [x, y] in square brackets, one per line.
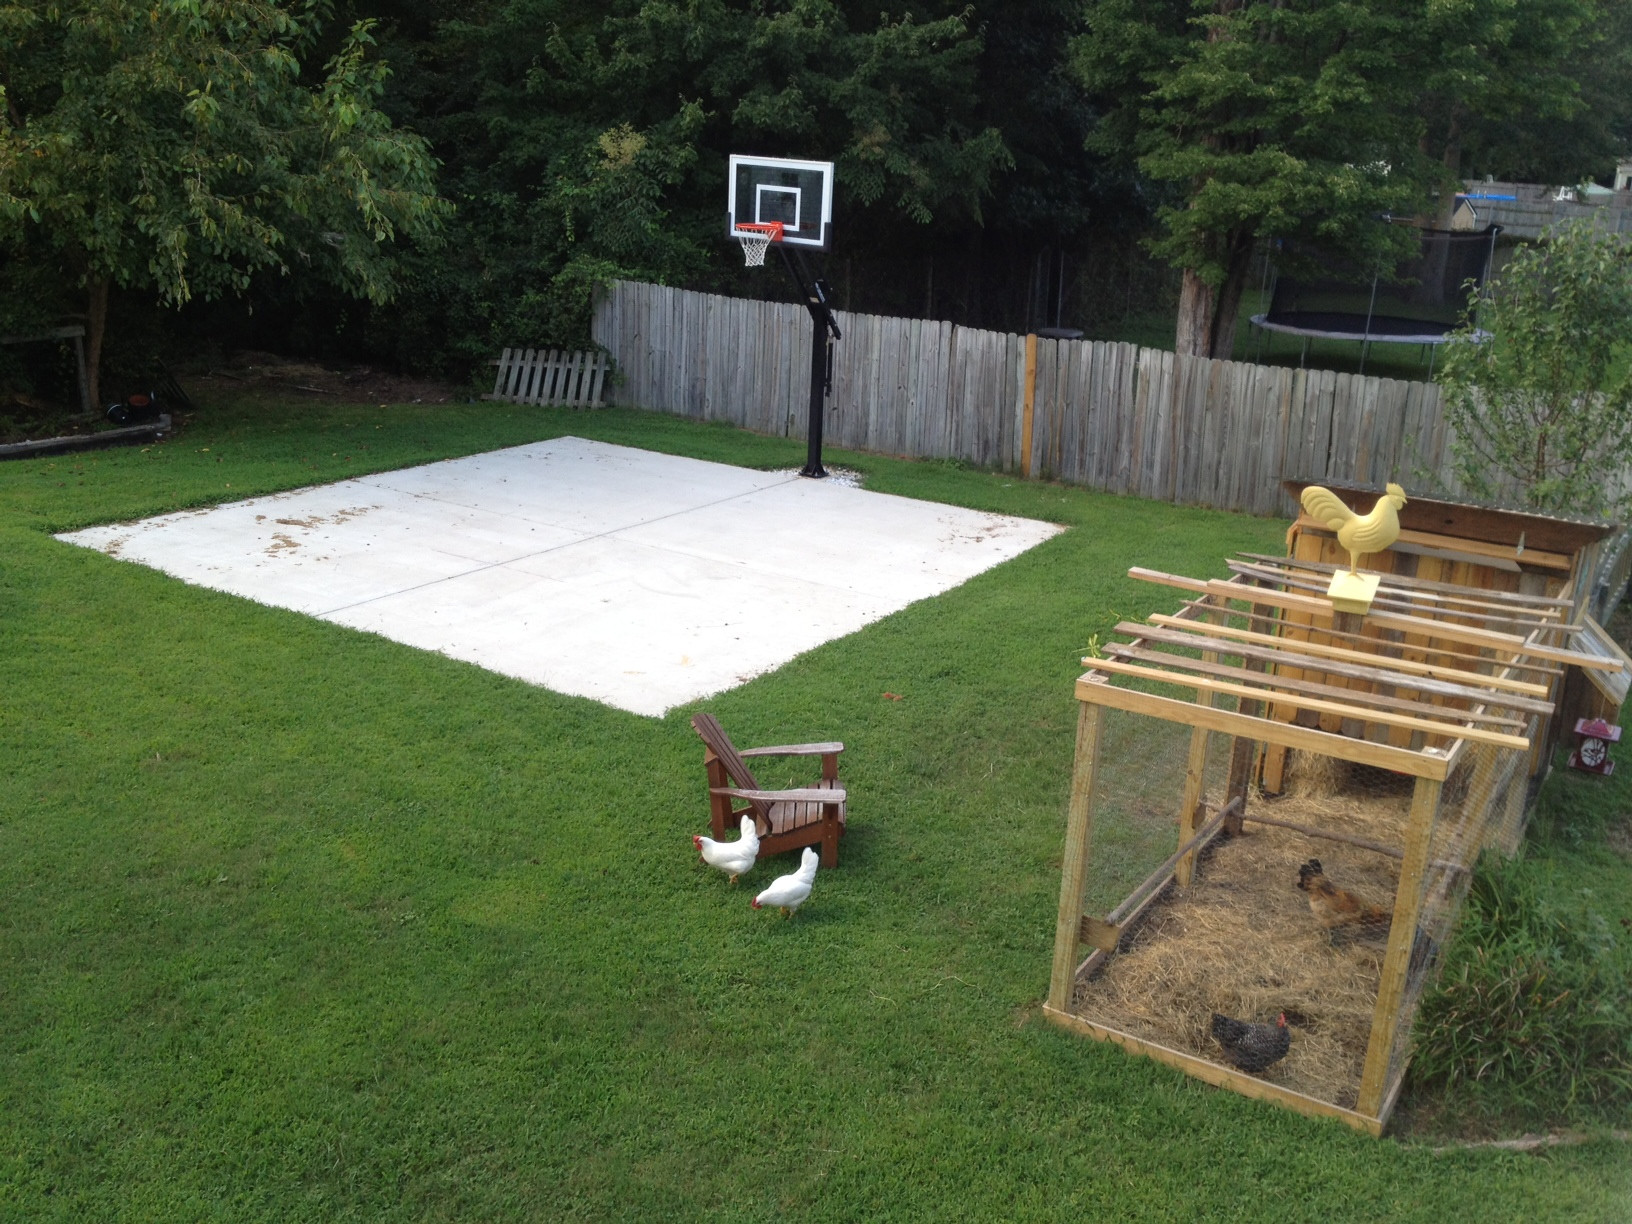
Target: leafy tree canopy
[1304, 118]
[174, 146]
[1289, 118]
[591, 141]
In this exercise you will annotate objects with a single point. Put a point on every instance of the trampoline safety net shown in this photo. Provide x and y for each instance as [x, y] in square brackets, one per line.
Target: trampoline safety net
[1419, 300]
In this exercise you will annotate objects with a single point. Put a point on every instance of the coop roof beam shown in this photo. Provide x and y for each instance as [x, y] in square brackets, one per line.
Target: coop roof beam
[1477, 681]
[1410, 582]
[1379, 647]
[1354, 671]
[1405, 601]
[1095, 687]
[1490, 639]
[1314, 688]
[1432, 726]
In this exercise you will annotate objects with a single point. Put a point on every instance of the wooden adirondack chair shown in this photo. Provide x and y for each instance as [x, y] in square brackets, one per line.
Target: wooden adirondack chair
[786, 819]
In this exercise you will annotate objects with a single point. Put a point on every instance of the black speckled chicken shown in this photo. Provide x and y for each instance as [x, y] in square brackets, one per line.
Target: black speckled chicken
[1252, 1047]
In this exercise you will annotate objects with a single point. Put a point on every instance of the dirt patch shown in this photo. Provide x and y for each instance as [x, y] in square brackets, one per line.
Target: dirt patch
[343, 383]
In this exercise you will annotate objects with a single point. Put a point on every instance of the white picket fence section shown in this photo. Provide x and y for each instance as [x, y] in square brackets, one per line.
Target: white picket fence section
[550, 376]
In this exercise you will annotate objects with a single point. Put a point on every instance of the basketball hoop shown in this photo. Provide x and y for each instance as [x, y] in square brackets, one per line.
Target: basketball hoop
[756, 239]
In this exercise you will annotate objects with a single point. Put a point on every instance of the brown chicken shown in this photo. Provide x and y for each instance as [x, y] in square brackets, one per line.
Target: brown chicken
[1360, 534]
[1342, 913]
[1252, 1047]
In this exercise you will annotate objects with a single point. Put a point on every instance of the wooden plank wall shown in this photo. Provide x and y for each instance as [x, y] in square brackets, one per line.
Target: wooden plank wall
[1106, 415]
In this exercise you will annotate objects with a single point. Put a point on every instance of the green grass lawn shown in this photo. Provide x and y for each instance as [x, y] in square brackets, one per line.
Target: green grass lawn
[301, 924]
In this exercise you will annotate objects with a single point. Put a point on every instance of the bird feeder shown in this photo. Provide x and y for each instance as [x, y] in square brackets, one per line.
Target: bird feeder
[1593, 737]
[1194, 885]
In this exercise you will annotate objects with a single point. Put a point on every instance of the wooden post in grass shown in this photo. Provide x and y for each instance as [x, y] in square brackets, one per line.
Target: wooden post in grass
[1079, 825]
[1402, 936]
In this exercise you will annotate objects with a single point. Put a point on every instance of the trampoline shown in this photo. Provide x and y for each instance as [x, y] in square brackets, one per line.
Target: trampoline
[1419, 300]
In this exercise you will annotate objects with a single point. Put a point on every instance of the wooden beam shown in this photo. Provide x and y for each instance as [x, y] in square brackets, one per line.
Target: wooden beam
[1079, 826]
[1489, 639]
[1126, 918]
[1378, 646]
[1459, 520]
[1410, 582]
[1313, 687]
[1216, 1074]
[1393, 852]
[1158, 878]
[1098, 934]
[1400, 601]
[1322, 650]
[1477, 552]
[1402, 938]
[1424, 764]
[1449, 729]
[1195, 768]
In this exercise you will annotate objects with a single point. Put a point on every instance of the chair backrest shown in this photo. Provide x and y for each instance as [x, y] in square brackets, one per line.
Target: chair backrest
[719, 743]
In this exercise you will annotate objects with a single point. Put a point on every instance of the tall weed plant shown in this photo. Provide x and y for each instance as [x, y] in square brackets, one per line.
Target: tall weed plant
[1533, 1013]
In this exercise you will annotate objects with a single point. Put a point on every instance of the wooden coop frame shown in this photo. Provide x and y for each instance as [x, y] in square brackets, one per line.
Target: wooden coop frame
[1441, 667]
[1460, 548]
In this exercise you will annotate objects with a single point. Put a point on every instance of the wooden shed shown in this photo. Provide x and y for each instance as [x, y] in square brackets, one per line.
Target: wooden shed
[1474, 548]
[1244, 764]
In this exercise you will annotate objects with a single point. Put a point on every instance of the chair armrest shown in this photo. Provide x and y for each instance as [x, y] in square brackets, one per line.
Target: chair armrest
[794, 750]
[804, 795]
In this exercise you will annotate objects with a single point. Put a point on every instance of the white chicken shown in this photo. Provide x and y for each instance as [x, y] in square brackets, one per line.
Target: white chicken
[789, 892]
[733, 858]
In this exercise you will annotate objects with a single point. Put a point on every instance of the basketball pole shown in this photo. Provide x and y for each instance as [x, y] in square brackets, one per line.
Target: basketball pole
[813, 291]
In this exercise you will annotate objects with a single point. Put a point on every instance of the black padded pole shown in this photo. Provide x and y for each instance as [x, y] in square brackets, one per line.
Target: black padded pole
[823, 331]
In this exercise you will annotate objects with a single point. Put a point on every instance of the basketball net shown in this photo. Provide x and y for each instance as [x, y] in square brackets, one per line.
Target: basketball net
[756, 239]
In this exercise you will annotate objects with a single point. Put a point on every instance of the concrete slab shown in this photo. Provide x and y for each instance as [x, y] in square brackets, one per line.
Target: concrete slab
[641, 580]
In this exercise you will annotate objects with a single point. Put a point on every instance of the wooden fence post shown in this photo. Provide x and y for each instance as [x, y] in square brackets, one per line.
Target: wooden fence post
[1028, 404]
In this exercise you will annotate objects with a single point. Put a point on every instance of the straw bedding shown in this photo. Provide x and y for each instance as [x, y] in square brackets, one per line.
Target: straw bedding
[1243, 941]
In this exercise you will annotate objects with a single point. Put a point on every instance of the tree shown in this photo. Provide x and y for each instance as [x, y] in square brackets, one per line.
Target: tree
[173, 146]
[1286, 118]
[1545, 405]
[1534, 90]
[587, 142]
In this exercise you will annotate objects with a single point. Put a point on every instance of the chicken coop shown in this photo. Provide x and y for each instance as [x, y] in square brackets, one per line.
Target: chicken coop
[1276, 808]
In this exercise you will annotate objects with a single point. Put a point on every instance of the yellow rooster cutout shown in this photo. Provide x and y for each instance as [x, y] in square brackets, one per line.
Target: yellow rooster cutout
[1359, 534]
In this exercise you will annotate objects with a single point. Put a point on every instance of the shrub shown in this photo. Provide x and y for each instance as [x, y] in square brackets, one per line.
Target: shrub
[1545, 405]
[1535, 1002]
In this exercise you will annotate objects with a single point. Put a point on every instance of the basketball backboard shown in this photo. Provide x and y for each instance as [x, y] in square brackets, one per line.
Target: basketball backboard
[799, 194]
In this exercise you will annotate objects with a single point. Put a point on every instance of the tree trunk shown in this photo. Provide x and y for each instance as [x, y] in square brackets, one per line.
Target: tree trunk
[96, 322]
[1451, 158]
[1207, 314]
[1228, 309]
[1196, 302]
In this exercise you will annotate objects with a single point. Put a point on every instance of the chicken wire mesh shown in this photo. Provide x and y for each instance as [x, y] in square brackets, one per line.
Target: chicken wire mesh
[1481, 803]
[1291, 916]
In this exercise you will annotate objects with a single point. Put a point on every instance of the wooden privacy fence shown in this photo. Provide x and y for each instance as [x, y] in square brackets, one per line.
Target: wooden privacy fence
[550, 376]
[1106, 415]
